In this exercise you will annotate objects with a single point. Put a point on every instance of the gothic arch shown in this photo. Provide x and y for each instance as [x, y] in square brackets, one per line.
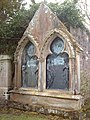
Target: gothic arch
[50, 37]
[68, 48]
[18, 56]
[23, 42]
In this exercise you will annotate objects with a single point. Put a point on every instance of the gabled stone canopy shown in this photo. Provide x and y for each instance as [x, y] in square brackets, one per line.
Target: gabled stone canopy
[43, 29]
[44, 24]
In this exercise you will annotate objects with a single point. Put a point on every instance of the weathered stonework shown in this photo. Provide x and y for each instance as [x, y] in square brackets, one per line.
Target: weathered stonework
[59, 100]
[5, 74]
[60, 114]
[42, 30]
[83, 39]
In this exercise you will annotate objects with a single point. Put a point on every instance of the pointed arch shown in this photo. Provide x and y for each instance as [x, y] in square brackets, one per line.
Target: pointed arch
[58, 33]
[25, 40]
[57, 66]
[29, 67]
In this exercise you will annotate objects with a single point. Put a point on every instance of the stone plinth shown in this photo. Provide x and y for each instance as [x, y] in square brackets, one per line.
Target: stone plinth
[5, 74]
[47, 99]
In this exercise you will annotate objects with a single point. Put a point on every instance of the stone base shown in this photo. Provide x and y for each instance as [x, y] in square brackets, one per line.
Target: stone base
[46, 101]
[3, 91]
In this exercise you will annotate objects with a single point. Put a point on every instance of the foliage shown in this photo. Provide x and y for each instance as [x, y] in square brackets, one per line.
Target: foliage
[19, 18]
[15, 27]
[68, 13]
[8, 46]
[8, 8]
[11, 32]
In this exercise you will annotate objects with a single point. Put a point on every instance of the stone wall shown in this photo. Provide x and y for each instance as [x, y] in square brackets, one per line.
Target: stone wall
[84, 40]
[5, 75]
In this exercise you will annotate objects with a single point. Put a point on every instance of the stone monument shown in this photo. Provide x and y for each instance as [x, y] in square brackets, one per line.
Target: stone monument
[47, 65]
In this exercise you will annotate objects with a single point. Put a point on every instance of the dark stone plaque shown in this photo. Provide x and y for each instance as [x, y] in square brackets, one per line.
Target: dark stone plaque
[57, 73]
[29, 67]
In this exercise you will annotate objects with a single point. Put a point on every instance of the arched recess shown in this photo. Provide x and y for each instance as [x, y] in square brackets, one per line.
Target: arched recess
[68, 43]
[29, 67]
[57, 66]
[24, 58]
[49, 56]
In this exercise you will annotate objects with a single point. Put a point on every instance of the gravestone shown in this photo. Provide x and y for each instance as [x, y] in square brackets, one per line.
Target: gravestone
[5, 76]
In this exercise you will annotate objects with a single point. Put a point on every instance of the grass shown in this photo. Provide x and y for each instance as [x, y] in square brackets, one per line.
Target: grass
[12, 114]
[21, 117]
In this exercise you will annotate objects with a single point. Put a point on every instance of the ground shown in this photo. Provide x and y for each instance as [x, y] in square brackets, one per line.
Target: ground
[14, 114]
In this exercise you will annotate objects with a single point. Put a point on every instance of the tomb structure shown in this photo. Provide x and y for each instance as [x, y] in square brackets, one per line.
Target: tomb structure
[47, 65]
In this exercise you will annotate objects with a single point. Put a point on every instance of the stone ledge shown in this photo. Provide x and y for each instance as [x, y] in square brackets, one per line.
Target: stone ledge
[59, 102]
[48, 93]
[5, 57]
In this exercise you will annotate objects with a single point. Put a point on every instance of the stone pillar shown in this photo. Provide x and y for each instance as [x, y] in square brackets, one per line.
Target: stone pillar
[72, 74]
[41, 73]
[78, 72]
[5, 74]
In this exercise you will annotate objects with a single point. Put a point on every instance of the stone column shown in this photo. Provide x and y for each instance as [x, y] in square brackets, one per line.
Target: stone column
[5, 74]
[78, 72]
[41, 75]
[73, 74]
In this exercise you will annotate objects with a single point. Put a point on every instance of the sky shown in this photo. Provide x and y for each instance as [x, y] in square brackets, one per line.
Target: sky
[61, 1]
[38, 1]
